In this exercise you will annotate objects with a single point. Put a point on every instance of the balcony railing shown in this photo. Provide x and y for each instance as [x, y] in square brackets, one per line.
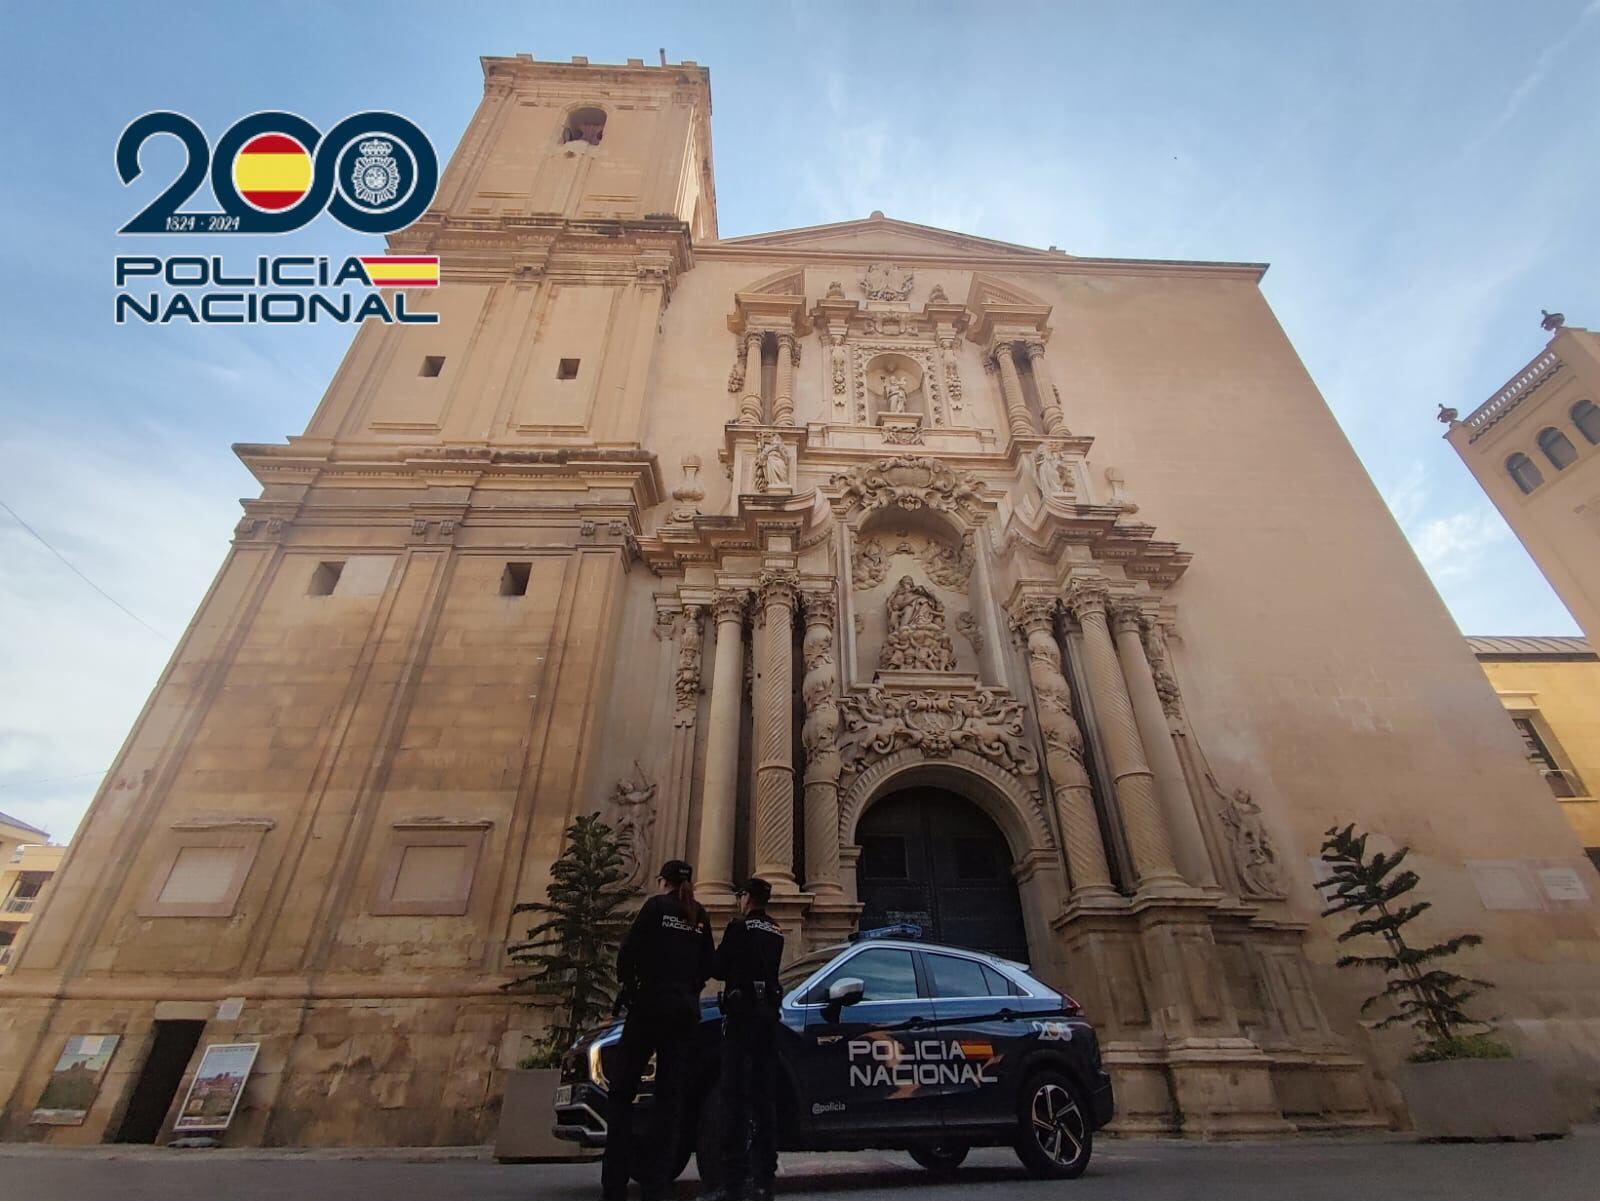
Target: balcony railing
[1514, 393]
[18, 905]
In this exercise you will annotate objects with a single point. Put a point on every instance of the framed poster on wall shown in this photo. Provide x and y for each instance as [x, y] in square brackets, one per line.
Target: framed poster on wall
[75, 1080]
[215, 1090]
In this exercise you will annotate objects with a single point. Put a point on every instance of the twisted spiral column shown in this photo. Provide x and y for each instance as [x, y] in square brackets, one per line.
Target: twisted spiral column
[820, 738]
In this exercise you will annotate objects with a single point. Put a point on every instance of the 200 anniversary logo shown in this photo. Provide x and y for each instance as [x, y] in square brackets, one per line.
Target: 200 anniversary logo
[273, 173]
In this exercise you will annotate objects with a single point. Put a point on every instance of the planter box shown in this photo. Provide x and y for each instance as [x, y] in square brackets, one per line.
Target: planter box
[1482, 1099]
[526, 1115]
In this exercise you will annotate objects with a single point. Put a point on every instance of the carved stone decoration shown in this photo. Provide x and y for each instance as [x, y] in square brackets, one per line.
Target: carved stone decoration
[916, 368]
[635, 824]
[819, 738]
[894, 392]
[949, 566]
[736, 374]
[689, 492]
[1255, 859]
[967, 623]
[869, 563]
[859, 622]
[1155, 646]
[885, 281]
[835, 291]
[910, 483]
[985, 722]
[1052, 471]
[686, 681]
[917, 639]
[772, 465]
[937, 296]
[1119, 498]
[903, 435]
[952, 374]
[836, 362]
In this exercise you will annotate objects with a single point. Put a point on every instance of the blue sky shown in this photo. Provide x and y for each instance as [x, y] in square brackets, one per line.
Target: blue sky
[1422, 178]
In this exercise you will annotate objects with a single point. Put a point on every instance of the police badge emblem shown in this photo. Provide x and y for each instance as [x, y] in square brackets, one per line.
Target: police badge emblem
[376, 175]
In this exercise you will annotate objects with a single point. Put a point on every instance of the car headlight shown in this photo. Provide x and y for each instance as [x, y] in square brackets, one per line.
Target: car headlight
[597, 1071]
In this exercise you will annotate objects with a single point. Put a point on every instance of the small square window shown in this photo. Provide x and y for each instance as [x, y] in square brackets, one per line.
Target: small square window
[514, 579]
[567, 369]
[432, 365]
[325, 578]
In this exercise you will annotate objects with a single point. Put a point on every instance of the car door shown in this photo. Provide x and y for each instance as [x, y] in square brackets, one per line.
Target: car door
[861, 1071]
[982, 1024]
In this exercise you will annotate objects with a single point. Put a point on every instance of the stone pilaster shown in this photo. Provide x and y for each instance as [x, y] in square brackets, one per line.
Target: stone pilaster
[750, 402]
[1183, 821]
[772, 830]
[1011, 390]
[783, 395]
[820, 738]
[1049, 404]
[685, 712]
[1132, 781]
[719, 800]
[1033, 617]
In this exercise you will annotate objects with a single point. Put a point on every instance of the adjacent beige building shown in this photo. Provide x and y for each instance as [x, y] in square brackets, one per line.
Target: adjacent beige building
[27, 861]
[1534, 446]
[1035, 599]
[1551, 690]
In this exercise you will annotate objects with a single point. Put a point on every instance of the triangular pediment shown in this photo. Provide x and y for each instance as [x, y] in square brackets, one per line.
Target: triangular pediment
[884, 235]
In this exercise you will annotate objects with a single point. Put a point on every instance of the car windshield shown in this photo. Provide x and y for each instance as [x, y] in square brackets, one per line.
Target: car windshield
[803, 967]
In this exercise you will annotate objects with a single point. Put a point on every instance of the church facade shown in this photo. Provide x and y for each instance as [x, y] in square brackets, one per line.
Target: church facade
[1034, 600]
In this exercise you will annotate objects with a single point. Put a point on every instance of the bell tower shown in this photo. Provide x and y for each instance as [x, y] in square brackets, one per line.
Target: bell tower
[587, 143]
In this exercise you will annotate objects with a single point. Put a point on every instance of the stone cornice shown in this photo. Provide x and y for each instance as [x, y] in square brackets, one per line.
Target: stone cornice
[1035, 262]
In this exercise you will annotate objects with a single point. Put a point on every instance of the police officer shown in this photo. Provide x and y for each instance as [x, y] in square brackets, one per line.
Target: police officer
[747, 963]
[662, 965]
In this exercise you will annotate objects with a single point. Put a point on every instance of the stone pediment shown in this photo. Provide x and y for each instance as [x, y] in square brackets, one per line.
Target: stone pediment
[882, 235]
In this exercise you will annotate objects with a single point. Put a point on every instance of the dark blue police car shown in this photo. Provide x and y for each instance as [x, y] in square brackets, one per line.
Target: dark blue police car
[895, 1044]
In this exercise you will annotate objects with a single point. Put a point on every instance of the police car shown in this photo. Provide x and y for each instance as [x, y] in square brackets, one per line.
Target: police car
[893, 1043]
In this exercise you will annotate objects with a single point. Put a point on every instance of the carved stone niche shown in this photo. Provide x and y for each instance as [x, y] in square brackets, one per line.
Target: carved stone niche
[895, 390]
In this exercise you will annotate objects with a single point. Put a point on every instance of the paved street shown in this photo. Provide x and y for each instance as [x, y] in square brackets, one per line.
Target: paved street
[1146, 1170]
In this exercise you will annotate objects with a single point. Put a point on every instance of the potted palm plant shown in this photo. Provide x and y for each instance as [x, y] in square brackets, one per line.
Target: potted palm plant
[570, 954]
[1460, 1081]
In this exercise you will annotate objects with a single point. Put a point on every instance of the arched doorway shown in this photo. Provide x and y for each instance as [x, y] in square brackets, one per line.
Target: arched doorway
[935, 859]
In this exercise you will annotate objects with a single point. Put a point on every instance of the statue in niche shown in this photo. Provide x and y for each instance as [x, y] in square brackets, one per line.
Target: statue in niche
[636, 819]
[772, 465]
[1254, 857]
[1053, 471]
[917, 639]
[894, 392]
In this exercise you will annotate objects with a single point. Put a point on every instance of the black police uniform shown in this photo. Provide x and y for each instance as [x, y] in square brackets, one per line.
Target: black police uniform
[663, 964]
[747, 961]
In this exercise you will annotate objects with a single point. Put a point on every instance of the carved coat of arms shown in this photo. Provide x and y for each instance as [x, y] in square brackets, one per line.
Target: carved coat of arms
[885, 281]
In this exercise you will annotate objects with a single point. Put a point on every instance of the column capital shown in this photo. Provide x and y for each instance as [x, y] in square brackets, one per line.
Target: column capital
[821, 604]
[1034, 348]
[729, 604]
[1033, 611]
[1126, 614]
[1001, 346]
[1087, 594]
[777, 587]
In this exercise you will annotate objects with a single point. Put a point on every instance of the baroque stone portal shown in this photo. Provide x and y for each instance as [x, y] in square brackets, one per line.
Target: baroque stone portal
[917, 639]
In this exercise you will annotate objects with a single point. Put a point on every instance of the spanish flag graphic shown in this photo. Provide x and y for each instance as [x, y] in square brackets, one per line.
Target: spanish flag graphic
[272, 171]
[401, 271]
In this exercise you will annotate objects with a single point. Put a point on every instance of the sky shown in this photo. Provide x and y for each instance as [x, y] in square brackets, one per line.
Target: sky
[1421, 177]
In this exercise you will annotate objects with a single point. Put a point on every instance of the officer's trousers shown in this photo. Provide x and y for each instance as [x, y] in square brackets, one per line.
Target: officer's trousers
[664, 1027]
[749, 1104]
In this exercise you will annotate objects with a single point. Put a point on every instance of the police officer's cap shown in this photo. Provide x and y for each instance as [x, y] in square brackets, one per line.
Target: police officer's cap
[676, 871]
[756, 888]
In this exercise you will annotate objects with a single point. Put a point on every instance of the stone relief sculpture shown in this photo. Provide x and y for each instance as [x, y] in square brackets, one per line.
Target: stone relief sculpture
[987, 722]
[908, 482]
[772, 465]
[885, 281]
[894, 392]
[689, 492]
[1255, 859]
[836, 354]
[917, 639]
[967, 623]
[835, 291]
[937, 296]
[869, 563]
[686, 681]
[950, 567]
[736, 373]
[635, 823]
[903, 435]
[1053, 472]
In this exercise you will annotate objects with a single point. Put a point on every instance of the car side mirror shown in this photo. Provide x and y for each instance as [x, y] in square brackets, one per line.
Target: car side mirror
[846, 991]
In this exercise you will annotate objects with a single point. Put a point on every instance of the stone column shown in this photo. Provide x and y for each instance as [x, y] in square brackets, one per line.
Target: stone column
[772, 837]
[820, 738]
[719, 800]
[750, 402]
[1049, 403]
[1034, 618]
[1172, 788]
[783, 394]
[1132, 781]
[686, 703]
[1011, 391]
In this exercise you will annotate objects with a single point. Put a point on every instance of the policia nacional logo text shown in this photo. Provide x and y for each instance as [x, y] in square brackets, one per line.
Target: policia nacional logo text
[272, 173]
[915, 1063]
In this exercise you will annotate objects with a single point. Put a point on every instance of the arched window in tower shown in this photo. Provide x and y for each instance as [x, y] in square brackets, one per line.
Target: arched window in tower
[1557, 448]
[585, 125]
[1587, 418]
[1523, 470]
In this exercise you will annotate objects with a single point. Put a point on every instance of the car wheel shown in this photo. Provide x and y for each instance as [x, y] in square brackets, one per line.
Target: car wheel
[941, 1159]
[708, 1140]
[644, 1146]
[1054, 1139]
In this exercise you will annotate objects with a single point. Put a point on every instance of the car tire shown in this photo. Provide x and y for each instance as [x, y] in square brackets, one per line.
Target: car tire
[642, 1146]
[942, 1159]
[1054, 1139]
[709, 1139]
